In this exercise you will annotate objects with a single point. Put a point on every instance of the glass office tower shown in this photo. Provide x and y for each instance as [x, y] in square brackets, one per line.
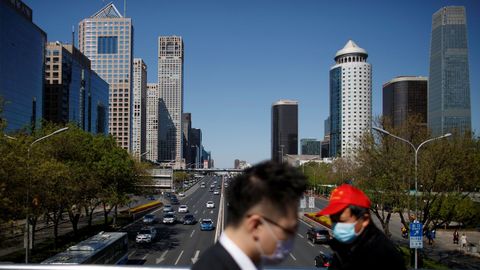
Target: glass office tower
[22, 53]
[106, 38]
[449, 83]
[284, 129]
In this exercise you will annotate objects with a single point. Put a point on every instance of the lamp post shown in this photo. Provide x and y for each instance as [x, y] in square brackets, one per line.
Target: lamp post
[415, 149]
[27, 219]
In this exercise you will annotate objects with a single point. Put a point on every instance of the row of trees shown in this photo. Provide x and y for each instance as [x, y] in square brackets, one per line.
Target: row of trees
[448, 175]
[71, 172]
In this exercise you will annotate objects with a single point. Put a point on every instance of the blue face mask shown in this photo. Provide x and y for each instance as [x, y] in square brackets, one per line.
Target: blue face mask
[344, 232]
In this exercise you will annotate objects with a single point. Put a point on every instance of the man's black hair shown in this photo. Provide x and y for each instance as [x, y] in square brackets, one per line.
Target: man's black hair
[358, 211]
[279, 184]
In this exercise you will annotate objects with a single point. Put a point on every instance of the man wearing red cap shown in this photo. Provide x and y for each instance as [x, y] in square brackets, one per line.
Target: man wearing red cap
[357, 242]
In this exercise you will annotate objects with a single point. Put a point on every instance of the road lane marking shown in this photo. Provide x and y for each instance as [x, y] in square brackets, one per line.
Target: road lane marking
[310, 243]
[291, 255]
[196, 211]
[144, 257]
[301, 236]
[162, 258]
[131, 253]
[195, 258]
[192, 233]
[179, 256]
[211, 212]
[203, 212]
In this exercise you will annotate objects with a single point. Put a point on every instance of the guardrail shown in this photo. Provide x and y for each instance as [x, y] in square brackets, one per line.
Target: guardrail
[110, 267]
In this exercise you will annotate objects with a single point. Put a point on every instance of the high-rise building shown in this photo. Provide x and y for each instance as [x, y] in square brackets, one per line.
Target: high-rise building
[284, 129]
[310, 146]
[196, 147]
[350, 100]
[170, 83]
[22, 54]
[139, 119]
[449, 83]
[73, 92]
[186, 127]
[106, 38]
[152, 123]
[404, 97]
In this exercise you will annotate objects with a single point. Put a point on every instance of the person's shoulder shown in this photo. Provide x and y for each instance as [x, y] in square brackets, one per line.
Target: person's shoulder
[215, 257]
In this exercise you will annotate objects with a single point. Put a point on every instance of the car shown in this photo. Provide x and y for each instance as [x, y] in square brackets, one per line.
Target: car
[206, 224]
[167, 208]
[169, 219]
[216, 192]
[175, 202]
[202, 185]
[189, 220]
[318, 235]
[183, 209]
[323, 260]
[181, 194]
[212, 185]
[210, 204]
[146, 235]
[149, 219]
[151, 198]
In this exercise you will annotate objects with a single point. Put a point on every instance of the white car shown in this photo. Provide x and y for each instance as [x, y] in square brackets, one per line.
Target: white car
[181, 194]
[210, 204]
[216, 192]
[169, 219]
[183, 209]
[146, 235]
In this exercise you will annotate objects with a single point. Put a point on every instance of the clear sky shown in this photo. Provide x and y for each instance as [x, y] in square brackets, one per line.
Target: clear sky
[243, 55]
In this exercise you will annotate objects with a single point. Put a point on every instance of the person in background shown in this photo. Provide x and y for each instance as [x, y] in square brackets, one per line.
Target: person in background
[262, 219]
[357, 243]
[455, 237]
[463, 240]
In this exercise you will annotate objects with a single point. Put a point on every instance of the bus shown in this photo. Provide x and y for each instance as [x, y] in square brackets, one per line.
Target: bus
[103, 248]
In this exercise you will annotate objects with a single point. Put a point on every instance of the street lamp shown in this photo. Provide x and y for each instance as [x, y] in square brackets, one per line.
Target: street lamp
[27, 222]
[415, 149]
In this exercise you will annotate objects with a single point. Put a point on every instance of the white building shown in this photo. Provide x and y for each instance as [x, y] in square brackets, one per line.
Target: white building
[170, 83]
[106, 38]
[139, 107]
[350, 100]
[153, 98]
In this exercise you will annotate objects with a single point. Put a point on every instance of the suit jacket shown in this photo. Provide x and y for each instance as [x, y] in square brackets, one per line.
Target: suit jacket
[216, 257]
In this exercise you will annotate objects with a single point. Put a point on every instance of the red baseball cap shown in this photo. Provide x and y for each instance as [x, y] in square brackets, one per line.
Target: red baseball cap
[344, 196]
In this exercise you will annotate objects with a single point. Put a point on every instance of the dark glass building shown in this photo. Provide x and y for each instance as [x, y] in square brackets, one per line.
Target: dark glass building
[449, 83]
[310, 146]
[74, 92]
[196, 147]
[186, 128]
[403, 97]
[22, 54]
[284, 129]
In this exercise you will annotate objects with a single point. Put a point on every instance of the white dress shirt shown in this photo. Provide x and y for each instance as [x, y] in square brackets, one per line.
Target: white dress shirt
[242, 260]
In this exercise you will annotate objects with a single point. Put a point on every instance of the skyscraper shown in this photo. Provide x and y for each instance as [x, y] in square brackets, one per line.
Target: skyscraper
[350, 100]
[196, 147]
[187, 126]
[449, 83]
[139, 107]
[170, 83]
[74, 92]
[152, 116]
[404, 97]
[106, 38]
[284, 129]
[22, 54]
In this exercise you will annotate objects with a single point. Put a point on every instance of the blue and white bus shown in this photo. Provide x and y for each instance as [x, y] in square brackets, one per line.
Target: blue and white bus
[103, 248]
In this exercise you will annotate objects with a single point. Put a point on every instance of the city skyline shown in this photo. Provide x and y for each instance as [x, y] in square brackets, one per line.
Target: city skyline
[240, 67]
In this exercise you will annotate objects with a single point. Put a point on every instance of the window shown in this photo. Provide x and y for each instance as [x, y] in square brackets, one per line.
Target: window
[107, 45]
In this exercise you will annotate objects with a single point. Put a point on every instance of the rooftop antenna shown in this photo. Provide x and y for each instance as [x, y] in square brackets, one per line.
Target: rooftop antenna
[124, 8]
[73, 35]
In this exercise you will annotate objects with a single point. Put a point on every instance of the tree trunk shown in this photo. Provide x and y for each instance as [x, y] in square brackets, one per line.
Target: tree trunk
[74, 219]
[105, 213]
[57, 214]
[33, 223]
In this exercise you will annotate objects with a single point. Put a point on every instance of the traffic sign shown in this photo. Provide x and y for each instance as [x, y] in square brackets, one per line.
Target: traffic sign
[303, 203]
[416, 235]
[311, 202]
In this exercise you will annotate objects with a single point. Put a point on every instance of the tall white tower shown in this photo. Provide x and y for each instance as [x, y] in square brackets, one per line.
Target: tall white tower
[152, 115]
[139, 107]
[350, 100]
[170, 83]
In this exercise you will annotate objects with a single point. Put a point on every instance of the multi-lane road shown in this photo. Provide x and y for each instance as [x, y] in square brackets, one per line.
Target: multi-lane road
[182, 245]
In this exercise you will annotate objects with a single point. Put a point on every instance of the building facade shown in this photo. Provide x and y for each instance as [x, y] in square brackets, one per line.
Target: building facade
[284, 129]
[22, 55]
[449, 82]
[310, 146]
[106, 38]
[73, 92]
[170, 83]
[196, 147]
[405, 97]
[139, 118]
[152, 121]
[186, 128]
[350, 100]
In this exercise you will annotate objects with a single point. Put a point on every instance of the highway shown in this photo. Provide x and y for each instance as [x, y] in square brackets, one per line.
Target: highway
[181, 245]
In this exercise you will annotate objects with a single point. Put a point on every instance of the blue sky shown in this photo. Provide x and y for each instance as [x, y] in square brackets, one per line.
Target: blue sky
[241, 56]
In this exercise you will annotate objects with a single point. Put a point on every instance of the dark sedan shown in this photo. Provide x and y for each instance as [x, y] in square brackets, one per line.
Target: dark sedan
[318, 235]
[189, 220]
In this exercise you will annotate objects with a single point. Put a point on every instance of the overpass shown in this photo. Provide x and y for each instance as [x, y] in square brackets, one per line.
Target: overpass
[200, 170]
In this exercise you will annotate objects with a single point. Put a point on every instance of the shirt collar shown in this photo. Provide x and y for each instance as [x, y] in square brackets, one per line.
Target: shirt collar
[242, 260]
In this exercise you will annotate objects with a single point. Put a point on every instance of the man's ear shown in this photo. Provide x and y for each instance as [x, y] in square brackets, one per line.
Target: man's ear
[251, 224]
[366, 220]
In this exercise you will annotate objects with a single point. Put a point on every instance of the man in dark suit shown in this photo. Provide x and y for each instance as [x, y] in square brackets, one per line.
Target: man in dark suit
[262, 206]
